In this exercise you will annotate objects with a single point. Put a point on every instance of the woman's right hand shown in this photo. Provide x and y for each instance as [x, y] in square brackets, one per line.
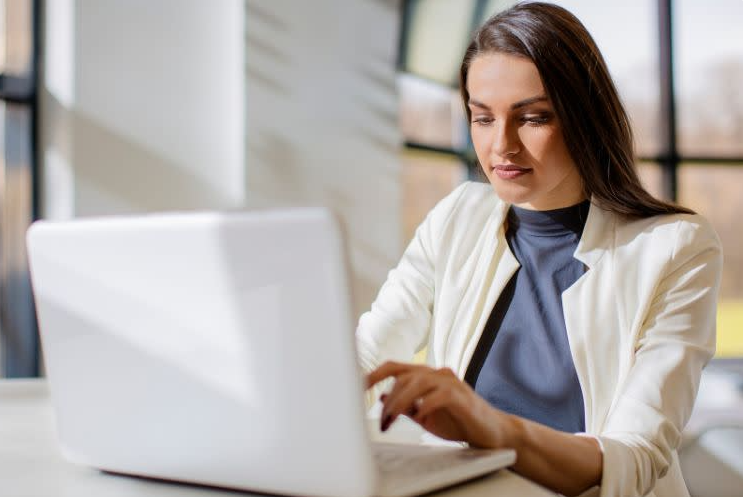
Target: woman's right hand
[442, 404]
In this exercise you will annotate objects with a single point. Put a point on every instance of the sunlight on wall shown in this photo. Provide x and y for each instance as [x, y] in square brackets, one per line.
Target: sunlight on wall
[730, 328]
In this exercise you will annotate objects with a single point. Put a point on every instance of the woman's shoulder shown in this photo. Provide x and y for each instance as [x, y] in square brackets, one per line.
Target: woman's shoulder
[458, 218]
[470, 197]
[676, 231]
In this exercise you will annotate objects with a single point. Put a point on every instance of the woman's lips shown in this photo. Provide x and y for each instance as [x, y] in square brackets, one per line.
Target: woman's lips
[509, 171]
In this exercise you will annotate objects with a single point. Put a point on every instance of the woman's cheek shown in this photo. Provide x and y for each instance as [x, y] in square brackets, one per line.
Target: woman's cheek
[480, 142]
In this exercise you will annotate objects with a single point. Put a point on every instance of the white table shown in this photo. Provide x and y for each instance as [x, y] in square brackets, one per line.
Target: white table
[31, 465]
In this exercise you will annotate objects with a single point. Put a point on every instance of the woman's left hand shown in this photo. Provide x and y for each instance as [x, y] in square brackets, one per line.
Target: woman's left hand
[442, 404]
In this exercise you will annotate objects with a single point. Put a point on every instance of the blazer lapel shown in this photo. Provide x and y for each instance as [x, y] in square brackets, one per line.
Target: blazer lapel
[591, 317]
[498, 266]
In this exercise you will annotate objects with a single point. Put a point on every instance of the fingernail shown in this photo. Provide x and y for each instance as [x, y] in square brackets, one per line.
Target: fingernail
[386, 422]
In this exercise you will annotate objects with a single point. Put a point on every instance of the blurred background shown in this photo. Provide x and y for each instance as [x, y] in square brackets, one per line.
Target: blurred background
[131, 106]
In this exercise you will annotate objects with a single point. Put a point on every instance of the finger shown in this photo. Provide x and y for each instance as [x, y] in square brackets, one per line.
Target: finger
[442, 418]
[451, 389]
[386, 418]
[386, 370]
[440, 398]
[408, 389]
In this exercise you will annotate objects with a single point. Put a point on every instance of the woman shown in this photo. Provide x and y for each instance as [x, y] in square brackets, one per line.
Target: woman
[567, 313]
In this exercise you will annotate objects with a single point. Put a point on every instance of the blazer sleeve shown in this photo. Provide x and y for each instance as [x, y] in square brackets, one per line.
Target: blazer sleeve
[676, 341]
[398, 324]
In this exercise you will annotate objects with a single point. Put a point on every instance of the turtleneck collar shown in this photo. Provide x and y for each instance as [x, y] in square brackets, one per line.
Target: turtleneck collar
[556, 222]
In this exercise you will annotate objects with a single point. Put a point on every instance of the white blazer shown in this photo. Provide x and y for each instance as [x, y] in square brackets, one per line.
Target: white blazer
[640, 321]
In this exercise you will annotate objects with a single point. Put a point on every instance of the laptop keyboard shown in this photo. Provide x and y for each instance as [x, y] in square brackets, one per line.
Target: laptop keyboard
[416, 459]
[403, 466]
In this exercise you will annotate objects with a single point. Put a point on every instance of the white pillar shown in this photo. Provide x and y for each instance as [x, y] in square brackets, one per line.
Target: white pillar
[142, 106]
[189, 104]
[322, 125]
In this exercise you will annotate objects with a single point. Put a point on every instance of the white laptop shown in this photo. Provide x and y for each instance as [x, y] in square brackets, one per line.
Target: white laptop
[218, 348]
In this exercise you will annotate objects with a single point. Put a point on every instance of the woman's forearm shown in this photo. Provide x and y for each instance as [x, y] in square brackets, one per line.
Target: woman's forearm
[566, 463]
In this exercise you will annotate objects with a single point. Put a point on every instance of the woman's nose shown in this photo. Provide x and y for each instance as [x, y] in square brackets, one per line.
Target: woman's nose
[505, 142]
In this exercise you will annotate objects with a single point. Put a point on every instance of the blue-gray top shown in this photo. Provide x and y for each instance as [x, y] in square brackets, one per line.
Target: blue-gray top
[522, 364]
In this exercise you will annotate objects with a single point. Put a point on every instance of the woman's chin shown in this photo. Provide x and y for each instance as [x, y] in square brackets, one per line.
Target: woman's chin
[511, 193]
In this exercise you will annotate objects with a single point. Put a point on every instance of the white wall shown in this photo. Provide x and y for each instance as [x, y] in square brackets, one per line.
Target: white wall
[143, 106]
[151, 105]
[322, 123]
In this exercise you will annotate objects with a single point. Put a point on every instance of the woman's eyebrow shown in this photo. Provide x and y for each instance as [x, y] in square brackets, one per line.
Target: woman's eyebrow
[476, 103]
[521, 103]
[528, 101]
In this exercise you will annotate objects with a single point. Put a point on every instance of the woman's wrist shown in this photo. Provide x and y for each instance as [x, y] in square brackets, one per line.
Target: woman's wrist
[564, 462]
[512, 432]
[504, 431]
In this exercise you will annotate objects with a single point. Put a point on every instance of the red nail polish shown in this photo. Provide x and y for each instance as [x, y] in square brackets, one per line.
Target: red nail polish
[386, 422]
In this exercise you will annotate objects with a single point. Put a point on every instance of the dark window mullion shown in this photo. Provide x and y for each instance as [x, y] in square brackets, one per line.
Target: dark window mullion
[717, 160]
[17, 89]
[463, 155]
[669, 158]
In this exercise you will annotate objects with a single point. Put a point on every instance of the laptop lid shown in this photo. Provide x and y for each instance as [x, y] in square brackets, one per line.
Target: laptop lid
[214, 348]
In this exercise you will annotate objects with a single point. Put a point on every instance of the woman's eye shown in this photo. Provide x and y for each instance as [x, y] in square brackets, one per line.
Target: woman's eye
[483, 120]
[535, 120]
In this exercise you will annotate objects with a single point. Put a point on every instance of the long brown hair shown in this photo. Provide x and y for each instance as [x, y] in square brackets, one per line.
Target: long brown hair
[594, 123]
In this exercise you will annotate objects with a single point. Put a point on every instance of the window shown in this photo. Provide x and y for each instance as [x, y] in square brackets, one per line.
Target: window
[18, 338]
[427, 178]
[714, 190]
[436, 34]
[709, 77]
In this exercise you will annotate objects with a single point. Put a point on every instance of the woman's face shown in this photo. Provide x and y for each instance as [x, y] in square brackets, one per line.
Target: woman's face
[517, 136]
